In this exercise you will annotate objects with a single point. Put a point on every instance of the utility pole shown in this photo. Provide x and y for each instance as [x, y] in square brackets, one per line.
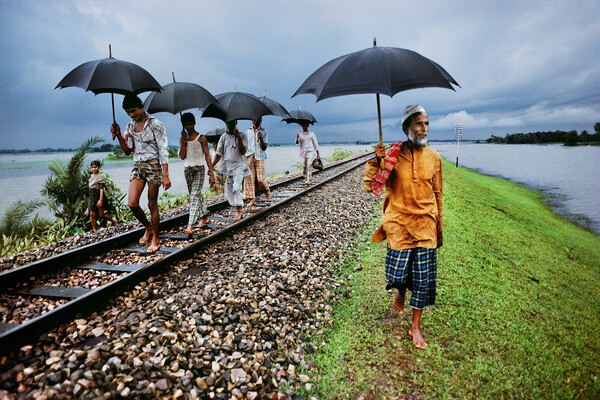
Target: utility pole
[458, 132]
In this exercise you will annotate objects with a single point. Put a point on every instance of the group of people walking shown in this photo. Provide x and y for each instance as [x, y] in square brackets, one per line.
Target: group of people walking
[237, 167]
[408, 171]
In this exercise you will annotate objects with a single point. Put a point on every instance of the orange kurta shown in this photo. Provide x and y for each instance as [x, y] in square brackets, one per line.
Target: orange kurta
[412, 206]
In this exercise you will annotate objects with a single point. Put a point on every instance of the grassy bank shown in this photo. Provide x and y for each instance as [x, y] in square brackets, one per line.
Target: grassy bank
[517, 314]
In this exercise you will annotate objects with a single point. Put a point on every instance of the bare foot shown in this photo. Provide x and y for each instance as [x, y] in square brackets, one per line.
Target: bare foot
[268, 195]
[189, 230]
[399, 302]
[237, 216]
[147, 235]
[252, 202]
[154, 246]
[417, 338]
[203, 222]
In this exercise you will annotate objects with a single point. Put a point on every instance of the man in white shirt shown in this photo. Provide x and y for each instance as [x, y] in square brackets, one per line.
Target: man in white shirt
[255, 156]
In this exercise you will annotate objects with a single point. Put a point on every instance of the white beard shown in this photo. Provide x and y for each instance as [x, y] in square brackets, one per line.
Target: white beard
[418, 142]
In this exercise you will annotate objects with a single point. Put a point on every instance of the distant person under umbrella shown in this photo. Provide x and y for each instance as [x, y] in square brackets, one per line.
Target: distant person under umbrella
[145, 137]
[309, 149]
[412, 215]
[232, 149]
[256, 154]
[193, 148]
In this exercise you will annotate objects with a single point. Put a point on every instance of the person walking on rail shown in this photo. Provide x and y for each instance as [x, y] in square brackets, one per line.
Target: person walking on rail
[256, 155]
[193, 147]
[412, 215]
[232, 149]
[145, 137]
[309, 148]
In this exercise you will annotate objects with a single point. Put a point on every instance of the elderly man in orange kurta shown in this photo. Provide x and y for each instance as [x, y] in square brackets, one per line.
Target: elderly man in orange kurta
[412, 215]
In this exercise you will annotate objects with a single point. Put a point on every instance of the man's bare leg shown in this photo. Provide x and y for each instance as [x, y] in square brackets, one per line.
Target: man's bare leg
[136, 187]
[154, 217]
[268, 195]
[399, 301]
[415, 330]
[238, 213]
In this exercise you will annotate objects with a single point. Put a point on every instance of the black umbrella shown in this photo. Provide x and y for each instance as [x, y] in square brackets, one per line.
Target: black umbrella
[236, 105]
[385, 70]
[276, 108]
[214, 134]
[298, 116]
[110, 75]
[177, 97]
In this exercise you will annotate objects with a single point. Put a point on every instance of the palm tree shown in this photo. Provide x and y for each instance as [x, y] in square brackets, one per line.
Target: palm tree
[16, 220]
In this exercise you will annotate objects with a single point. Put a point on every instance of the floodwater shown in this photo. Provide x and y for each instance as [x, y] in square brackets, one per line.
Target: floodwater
[568, 176]
[23, 175]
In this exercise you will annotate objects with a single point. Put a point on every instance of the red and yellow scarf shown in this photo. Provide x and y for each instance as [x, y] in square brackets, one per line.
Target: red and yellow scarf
[379, 179]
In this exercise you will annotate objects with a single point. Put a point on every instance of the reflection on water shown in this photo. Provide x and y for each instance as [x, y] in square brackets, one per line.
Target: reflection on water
[23, 175]
[569, 176]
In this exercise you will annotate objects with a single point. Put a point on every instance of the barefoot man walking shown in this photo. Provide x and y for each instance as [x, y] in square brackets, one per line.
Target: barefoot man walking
[412, 215]
[146, 137]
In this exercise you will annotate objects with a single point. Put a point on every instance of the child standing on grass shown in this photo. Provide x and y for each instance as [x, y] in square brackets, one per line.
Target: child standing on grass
[97, 184]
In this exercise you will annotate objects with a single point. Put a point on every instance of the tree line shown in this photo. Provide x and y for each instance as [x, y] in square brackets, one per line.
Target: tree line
[570, 138]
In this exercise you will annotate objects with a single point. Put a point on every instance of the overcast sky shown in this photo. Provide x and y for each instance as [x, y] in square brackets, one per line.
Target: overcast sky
[522, 66]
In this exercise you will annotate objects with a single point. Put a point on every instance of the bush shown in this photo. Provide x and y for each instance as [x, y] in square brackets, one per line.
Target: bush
[339, 154]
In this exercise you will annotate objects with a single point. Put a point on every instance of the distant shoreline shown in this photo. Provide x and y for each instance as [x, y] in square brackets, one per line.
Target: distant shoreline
[67, 150]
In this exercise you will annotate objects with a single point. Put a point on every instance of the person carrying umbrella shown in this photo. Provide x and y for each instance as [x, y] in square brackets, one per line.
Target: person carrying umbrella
[256, 155]
[309, 148]
[412, 215]
[193, 147]
[232, 149]
[145, 137]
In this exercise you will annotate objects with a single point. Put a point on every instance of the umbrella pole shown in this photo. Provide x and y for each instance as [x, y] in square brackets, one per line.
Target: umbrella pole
[112, 99]
[382, 166]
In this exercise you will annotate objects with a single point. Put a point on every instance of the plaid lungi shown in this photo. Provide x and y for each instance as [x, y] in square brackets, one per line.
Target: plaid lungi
[219, 186]
[261, 181]
[249, 180]
[415, 270]
[256, 179]
[194, 176]
[147, 171]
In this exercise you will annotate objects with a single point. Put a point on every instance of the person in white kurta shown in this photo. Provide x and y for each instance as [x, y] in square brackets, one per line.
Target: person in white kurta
[232, 149]
[309, 148]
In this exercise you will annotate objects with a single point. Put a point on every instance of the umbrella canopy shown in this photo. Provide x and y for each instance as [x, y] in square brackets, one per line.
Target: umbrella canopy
[110, 75]
[236, 105]
[276, 108]
[298, 116]
[177, 97]
[379, 70]
[214, 134]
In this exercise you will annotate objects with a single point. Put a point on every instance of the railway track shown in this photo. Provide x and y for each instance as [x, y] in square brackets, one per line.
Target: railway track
[82, 280]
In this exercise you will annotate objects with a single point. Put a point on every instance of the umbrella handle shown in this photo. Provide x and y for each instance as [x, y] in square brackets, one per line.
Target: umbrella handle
[112, 98]
[382, 164]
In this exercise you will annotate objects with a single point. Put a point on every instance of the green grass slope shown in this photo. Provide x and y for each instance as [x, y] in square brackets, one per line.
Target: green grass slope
[517, 313]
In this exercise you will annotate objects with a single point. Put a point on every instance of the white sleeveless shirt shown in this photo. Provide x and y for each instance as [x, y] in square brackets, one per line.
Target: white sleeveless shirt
[194, 155]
